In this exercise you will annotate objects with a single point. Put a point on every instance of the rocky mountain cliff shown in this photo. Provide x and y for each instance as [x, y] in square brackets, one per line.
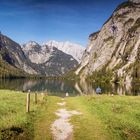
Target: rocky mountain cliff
[32, 59]
[115, 49]
[36, 53]
[67, 47]
[12, 56]
[51, 61]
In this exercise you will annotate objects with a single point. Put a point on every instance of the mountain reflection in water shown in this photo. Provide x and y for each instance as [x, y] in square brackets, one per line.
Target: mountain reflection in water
[59, 87]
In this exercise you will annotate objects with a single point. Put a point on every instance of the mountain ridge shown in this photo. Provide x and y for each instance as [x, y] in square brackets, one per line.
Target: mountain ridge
[68, 47]
[13, 55]
[114, 50]
[50, 59]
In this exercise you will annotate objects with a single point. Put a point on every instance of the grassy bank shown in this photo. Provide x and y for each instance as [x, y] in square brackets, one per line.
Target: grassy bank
[111, 118]
[16, 124]
[103, 117]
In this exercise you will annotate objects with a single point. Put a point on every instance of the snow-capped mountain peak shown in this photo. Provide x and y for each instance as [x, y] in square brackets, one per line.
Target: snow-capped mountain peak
[48, 59]
[41, 53]
[31, 45]
[67, 47]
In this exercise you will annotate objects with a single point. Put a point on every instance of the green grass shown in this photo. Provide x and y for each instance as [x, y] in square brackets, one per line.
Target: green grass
[16, 124]
[46, 118]
[103, 117]
[13, 116]
[112, 118]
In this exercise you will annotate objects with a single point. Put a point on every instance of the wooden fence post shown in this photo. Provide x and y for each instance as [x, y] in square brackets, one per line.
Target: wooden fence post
[28, 102]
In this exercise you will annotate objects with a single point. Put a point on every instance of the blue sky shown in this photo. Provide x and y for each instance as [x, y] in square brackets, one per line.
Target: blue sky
[61, 20]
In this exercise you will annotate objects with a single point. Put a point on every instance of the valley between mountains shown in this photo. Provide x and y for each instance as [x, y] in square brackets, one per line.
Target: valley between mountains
[51, 59]
[64, 91]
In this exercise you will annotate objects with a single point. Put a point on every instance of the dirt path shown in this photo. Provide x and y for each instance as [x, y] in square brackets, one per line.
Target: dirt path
[62, 129]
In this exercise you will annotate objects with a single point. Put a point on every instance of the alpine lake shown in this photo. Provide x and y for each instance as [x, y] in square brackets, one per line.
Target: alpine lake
[61, 87]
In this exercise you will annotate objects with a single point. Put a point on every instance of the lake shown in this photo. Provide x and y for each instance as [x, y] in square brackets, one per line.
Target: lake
[60, 87]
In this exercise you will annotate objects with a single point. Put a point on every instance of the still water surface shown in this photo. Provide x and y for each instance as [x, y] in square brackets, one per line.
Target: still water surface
[59, 87]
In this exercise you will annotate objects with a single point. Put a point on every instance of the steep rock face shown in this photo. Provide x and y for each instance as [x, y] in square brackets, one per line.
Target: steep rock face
[135, 1]
[116, 46]
[72, 49]
[12, 54]
[33, 59]
[34, 52]
[50, 60]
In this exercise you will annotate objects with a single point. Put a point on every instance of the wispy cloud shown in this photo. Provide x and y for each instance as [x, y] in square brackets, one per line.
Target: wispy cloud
[16, 13]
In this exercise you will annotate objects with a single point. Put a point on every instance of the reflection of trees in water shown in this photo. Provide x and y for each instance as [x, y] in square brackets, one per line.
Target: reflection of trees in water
[62, 86]
[121, 90]
[29, 84]
[74, 88]
[52, 86]
[136, 89]
[78, 88]
[84, 87]
[12, 84]
[90, 87]
[128, 89]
